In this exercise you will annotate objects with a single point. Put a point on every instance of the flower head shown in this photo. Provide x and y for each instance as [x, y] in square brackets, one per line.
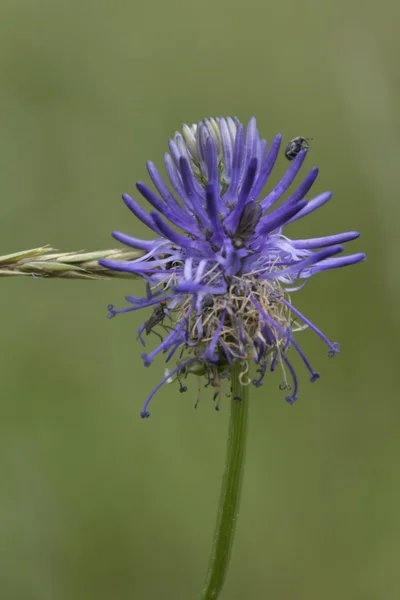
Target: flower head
[220, 272]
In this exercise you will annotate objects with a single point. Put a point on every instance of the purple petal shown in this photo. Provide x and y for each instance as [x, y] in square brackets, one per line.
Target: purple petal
[312, 205]
[279, 217]
[328, 240]
[212, 198]
[343, 261]
[236, 163]
[267, 166]
[145, 245]
[285, 182]
[140, 213]
[188, 182]
[166, 231]
[232, 221]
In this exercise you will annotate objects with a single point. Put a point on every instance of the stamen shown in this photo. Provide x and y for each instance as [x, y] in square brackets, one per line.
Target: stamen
[293, 397]
[262, 370]
[333, 347]
[314, 374]
[144, 412]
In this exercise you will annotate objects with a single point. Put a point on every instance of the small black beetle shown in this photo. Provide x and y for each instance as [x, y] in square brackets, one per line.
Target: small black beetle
[295, 145]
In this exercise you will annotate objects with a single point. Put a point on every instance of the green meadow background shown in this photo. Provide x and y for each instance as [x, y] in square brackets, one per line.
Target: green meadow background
[95, 503]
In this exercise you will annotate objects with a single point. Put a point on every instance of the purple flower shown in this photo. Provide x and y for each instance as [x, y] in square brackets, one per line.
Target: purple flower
[220, 272]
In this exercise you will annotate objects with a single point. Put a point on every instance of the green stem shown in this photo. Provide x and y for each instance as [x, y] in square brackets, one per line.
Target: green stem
[228, 509]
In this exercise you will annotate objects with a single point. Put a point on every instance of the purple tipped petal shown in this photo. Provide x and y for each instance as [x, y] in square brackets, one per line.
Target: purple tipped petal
[305, 186]
[285, 182]
[328, 240]
[166, 231]
[312, 205]
[251, 144]
[238, 151]
[267, 166]
[176, 182]
[297, 266]
[190, 287]
[232, 221]
[188, 182]
[147, 246]
[211, 161]
[279, 217]
[140, 213]
[227, 149]
[151, 197]
[212, 208]
[118, 265]
[344, 261]
[164, 192]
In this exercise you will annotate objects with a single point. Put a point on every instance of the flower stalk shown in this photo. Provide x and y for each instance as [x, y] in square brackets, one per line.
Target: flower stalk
[228, 509]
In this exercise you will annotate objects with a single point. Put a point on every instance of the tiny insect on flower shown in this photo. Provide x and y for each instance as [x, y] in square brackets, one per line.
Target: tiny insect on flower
[159, 313]
[295, 145]
[220, 266]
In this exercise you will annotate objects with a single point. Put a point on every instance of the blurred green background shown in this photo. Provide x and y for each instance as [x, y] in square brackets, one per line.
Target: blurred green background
[96, 503]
